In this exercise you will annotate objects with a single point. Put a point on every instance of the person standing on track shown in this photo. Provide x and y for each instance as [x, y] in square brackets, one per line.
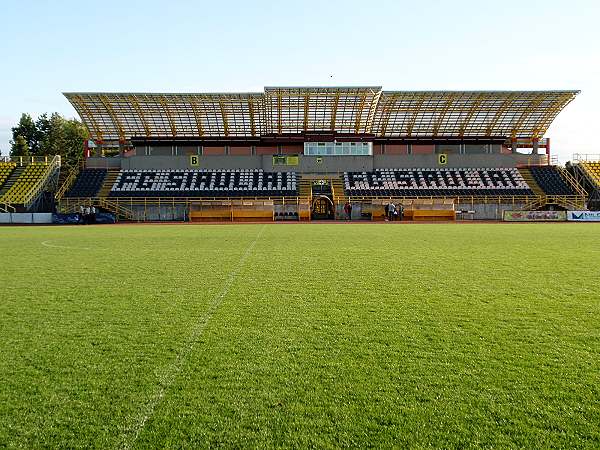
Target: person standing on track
[348, 210]
[392, 211]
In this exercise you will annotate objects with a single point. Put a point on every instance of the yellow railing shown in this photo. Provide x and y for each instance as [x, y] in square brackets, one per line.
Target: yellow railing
[123, 206]
[157, 201]
[67, 183]
[7, 208]
[117, 209]
[32, 194]
[177, 200]
[73, 205]
[571, 181]
[26, 160]
[41, 184]
[574, 200]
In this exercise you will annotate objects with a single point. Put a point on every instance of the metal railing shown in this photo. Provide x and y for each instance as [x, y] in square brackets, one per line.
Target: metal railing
[39, 187]
[574, 200]
[124, 206]
[7, 208]
[67, 183]
[73, 205]
[117, 209]
[585, 157]
[157, 201]
[571, 181]
[32, 195]
[26, 160]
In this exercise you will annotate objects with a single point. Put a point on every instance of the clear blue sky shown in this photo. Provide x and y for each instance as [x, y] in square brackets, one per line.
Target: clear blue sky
[195, 46]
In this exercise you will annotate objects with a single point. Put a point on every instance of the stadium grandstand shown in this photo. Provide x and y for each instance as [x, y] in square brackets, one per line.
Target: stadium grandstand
[302, 153]
[25, 183]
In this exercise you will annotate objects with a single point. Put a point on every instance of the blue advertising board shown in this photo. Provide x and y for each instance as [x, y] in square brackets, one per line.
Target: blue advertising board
[583, 216]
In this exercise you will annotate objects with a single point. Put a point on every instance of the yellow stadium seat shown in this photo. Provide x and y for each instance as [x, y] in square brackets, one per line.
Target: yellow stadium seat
[593, 171]
[18, 192]
[6, 169]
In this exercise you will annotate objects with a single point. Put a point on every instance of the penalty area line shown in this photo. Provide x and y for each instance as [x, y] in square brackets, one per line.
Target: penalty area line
[170, 374]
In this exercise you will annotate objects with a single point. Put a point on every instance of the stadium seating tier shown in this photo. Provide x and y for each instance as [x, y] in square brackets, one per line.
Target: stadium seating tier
[6, 169]
[425, 182]
[592, 168]
[204, 183]
[550, 180]
[88, 183]
[17, 194]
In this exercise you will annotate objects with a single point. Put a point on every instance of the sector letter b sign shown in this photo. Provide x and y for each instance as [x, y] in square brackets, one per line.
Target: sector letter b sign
[194, 160]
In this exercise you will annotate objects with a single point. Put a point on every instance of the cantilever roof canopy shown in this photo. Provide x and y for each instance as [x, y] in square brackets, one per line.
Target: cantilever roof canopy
[342, 110]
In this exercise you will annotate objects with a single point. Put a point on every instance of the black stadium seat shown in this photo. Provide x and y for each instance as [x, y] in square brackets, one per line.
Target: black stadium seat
[88, 183]
[549, 179]
[204, 183]
[432, 182]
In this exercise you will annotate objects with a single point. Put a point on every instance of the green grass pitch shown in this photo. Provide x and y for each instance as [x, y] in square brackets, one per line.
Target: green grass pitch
[319, 335]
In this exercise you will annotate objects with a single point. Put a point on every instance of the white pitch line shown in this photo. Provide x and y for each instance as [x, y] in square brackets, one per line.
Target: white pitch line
[170, 374]
[48, 244]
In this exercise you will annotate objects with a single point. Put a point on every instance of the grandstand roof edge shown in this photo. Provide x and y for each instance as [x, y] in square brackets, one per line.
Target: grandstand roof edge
[491, 91]
[515, 114]
[185, 94]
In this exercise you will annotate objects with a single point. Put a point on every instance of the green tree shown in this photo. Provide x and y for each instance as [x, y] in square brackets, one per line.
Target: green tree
[42, 127]
[19, 147]
[49, 136]
[27, 129]
[74, 133]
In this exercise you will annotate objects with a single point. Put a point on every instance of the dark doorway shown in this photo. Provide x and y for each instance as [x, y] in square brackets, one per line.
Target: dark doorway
[322, 208]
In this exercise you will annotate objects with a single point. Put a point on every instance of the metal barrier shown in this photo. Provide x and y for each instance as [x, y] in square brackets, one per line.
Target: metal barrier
[585, 157]
[68, 182]
[572, 182]
[124, 206]
[574, 202]
[7, 208]
[26, 160]
[51, 171]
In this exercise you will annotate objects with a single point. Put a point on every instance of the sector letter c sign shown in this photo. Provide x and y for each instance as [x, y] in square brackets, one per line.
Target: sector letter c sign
[194, 160]
[442, 159]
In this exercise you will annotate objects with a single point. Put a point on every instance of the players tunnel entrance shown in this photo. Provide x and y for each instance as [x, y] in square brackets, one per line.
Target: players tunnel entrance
[322, 208]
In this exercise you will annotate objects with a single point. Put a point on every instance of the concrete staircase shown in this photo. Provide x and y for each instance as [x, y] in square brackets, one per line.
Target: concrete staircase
[109, 181]
[337, 190]
[574, 202]
[528, 177]
[305, 197]
[12, 179]
[305, 188]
